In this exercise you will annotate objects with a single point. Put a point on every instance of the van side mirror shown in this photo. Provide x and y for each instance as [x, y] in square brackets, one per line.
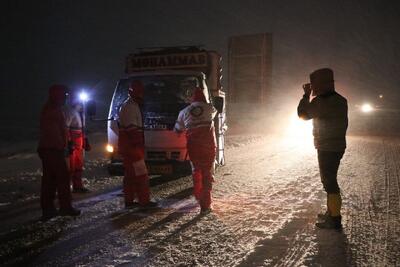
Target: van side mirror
[91, 108]
[219, 103]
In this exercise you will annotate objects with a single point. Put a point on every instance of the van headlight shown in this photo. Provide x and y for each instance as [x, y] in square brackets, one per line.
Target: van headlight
[109, 148]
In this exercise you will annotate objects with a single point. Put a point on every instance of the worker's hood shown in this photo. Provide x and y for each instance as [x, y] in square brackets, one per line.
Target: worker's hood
[322, 81]
[136, 91]
[322, 90]
[57, 94]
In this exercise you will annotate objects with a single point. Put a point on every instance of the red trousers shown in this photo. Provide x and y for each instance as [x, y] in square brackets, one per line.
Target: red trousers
[76, 159]
[136, 179]
[55, 179]
[202, 157]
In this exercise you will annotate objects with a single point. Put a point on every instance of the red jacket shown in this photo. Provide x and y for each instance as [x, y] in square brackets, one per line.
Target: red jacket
[53, 131]
[131, 138]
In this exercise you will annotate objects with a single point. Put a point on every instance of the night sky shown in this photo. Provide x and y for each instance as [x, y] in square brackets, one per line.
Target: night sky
[82, 44]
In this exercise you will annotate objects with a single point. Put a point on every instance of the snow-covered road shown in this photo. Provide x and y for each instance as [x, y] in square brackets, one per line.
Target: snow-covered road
[264, 205]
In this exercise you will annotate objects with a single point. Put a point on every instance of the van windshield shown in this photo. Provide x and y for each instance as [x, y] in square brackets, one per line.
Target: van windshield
[164, 97]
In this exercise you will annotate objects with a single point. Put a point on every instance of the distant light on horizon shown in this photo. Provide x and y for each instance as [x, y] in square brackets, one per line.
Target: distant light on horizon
[366, 108]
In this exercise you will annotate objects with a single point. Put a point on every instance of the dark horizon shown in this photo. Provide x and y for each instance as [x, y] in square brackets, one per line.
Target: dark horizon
[83, 45]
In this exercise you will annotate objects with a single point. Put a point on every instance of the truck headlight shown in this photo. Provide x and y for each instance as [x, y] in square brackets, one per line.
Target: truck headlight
[109, 148]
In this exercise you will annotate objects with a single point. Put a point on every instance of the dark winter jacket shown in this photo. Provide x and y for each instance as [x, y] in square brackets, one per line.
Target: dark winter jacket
[329, 114]
[53, 131]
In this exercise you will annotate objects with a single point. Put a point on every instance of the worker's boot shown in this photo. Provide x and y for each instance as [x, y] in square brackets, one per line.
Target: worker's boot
[148, 206]
[131, 205]
[333, 219]
[69, 212]
[205, 211]
[49, 214]
[323, 216]
[205, 200]
[80, 190]
[330, 223]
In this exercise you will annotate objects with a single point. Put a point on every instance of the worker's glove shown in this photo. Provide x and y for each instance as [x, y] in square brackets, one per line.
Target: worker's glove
[86, 145]
[307, 89]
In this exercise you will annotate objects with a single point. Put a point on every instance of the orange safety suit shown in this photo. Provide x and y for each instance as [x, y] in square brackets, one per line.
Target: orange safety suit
[75, 124]
[197, 120]
[131, 148]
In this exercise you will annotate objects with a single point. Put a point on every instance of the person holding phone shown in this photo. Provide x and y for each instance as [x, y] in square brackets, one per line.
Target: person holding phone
[328, 110]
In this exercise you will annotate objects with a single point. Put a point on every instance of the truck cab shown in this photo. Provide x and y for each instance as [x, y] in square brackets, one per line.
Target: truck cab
[168, 77]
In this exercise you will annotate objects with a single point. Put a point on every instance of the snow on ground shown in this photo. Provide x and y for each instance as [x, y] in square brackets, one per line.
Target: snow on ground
[371, 186]
[21, 173]
[264, 205]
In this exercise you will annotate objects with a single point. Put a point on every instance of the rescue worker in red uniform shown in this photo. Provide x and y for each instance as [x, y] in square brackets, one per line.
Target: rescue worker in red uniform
[197, 120]
[75, 119]
[328, 110]
[53, 151]
[131, 148]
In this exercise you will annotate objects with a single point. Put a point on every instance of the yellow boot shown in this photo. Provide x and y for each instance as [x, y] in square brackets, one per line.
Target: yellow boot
[334, 204]
[334, 219]
[324, 215]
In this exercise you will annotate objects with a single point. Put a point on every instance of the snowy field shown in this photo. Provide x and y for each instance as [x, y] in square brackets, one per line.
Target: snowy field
[265, 202]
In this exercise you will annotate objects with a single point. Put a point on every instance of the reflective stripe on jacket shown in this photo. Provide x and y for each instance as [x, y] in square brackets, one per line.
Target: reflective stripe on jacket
[130, 128]
[197, 120]
[197, 114]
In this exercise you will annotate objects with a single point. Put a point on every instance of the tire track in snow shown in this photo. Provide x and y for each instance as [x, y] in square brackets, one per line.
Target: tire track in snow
[387, 195]
[270, 196]
[393, 209]
[265, 201]
[371, 204]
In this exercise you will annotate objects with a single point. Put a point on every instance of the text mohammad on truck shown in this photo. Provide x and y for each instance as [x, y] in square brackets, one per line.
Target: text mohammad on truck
[169, 76]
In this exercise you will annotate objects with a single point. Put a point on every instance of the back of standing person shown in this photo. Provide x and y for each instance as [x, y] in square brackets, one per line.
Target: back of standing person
[328, 110]
[131, 148]
[197, 120]
[53, 151]
[78, 142]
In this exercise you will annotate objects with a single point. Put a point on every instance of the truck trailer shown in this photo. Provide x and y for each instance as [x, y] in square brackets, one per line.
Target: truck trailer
[169, 76]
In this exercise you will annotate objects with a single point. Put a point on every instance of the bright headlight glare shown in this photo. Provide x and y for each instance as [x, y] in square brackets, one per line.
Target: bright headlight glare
[83, 96]
[109, 148]
[367, 108]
